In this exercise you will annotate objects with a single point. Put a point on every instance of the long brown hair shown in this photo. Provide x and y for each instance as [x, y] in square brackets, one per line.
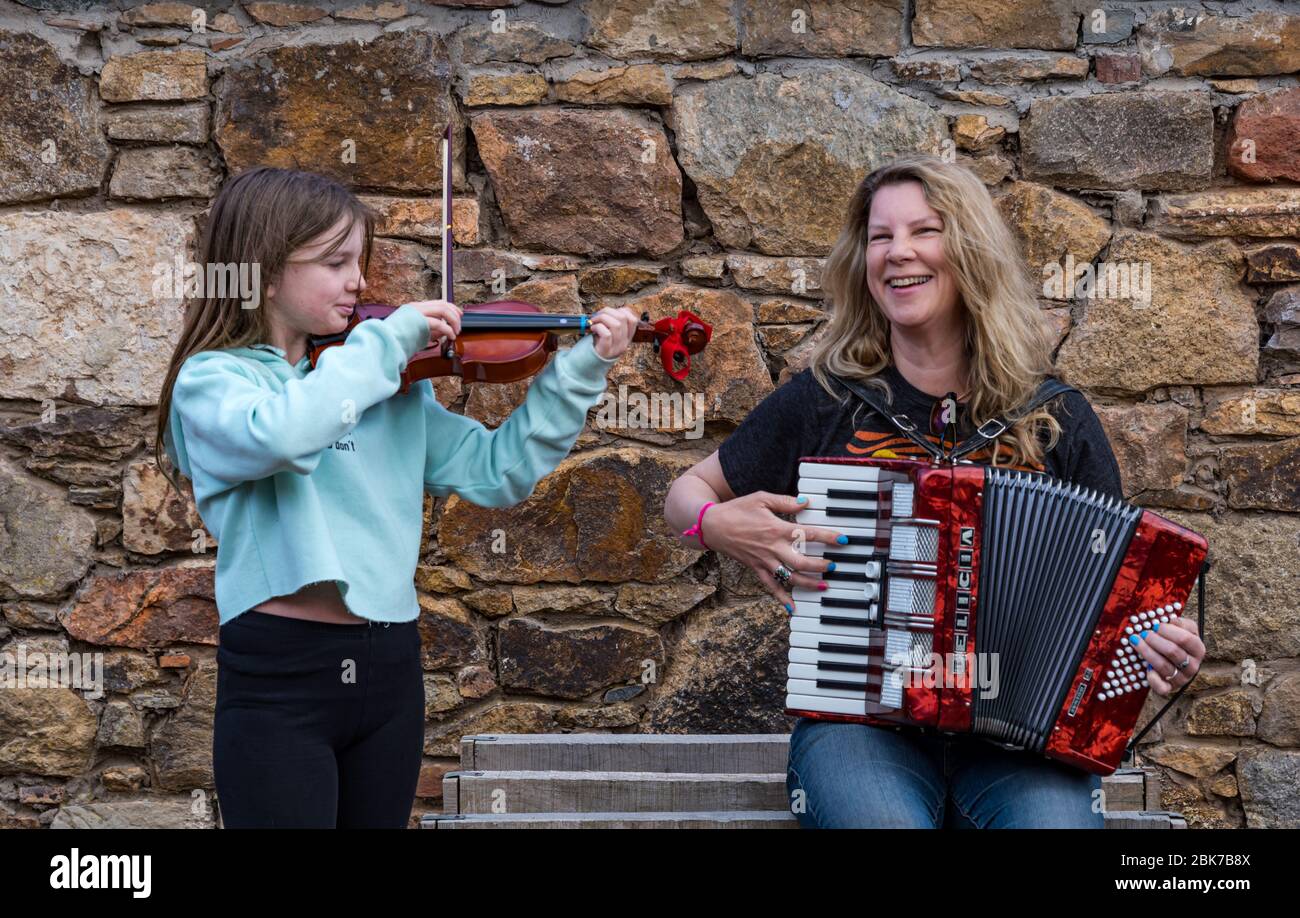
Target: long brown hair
[260, 217]
[1006, 341]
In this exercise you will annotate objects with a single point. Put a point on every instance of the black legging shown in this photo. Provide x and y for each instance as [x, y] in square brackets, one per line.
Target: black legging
[317, 725]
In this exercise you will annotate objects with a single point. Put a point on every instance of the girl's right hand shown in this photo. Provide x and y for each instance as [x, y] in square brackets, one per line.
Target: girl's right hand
[443, 317]
[749, 530]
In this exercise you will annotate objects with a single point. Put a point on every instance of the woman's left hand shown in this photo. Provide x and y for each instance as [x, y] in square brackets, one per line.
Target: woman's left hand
[613, 327]
[1164, 647]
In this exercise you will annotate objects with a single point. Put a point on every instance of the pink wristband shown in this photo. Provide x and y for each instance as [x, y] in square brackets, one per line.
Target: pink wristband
[696, 530]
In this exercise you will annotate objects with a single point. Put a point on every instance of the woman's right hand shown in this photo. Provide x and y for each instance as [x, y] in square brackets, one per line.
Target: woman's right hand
[443, 318]
[749, 530]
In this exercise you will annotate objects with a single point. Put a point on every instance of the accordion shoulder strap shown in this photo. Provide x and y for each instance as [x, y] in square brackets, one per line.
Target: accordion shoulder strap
[990, 430]
[902, 423]
[987, 432]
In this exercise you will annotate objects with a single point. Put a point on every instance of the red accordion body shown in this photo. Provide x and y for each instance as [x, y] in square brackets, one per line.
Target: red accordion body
[1044, 580]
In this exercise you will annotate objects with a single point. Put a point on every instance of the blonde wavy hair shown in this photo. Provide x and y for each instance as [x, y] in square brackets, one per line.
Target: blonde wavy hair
[1006, 341]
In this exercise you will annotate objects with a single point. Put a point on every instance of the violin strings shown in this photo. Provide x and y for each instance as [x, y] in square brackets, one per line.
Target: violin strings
[508, 321]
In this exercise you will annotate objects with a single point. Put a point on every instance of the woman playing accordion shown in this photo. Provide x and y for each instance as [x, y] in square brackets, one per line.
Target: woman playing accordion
[935, 311]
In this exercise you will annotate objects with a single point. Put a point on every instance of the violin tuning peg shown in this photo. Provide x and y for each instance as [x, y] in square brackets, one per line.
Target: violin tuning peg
[645, 316]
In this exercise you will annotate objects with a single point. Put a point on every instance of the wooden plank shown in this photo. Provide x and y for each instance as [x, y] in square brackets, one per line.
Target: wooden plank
[755, 753]
[501, 792]
[1133, 819]
[1124, 790]
[775, 819]
[451, 792]
[1154, 781]
[726, 820]
[622, 758]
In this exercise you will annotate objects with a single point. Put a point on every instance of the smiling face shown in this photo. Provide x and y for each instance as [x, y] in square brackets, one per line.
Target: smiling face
[316, 292]
[905, 240]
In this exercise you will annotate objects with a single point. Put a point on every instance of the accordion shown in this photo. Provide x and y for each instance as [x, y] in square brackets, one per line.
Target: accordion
[973, 599]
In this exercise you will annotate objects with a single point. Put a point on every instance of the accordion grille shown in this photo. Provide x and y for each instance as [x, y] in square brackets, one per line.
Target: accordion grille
[1049, 555]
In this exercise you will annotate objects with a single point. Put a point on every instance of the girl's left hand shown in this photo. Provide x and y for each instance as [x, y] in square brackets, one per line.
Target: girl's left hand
[613, 328]
[1165, 646]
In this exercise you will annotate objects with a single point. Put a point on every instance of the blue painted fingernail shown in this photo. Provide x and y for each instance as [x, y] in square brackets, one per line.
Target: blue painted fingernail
[1157, 626]
[1145, 635]
[788, 609]
[803, 500]
[843, 540]
[1148, 666]
[1134, 639]
[832, 567]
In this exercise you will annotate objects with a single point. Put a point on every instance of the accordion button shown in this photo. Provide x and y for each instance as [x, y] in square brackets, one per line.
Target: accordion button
[1164, 618]
[1177, 606]
[1128, 629]
[1134, 618]
[1169, 608]
[1110, 673]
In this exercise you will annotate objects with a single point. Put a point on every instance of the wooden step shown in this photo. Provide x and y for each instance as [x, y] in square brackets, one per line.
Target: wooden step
[775, 819]
[501, 792]
[756, 753]
[1124, 790]
[1133, 819]
[671, 780]
[739, 819]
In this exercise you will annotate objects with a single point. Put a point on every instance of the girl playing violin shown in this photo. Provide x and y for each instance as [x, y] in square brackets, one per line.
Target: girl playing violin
[312, 482]
[931, 297]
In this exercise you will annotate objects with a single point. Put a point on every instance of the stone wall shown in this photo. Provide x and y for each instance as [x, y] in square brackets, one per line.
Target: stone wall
[664, 156]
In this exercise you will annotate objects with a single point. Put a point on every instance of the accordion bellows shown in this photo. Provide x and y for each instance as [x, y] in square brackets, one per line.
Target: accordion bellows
[972, 599]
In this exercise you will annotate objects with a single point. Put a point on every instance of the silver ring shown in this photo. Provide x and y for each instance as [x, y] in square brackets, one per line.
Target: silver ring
[782, 575]
[1183, 665]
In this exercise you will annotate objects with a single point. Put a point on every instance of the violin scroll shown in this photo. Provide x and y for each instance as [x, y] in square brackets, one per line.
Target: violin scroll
[675, 340]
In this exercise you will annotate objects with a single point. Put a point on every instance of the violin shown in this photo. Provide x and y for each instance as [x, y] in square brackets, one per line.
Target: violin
[509, 340]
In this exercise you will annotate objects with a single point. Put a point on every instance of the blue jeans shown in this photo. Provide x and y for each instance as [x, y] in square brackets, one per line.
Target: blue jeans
[856, 776]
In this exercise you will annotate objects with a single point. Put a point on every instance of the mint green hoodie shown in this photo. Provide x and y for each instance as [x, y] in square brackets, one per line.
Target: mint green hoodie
[308, 475]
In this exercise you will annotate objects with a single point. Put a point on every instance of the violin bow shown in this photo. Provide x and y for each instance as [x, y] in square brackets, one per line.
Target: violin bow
[448, 288]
